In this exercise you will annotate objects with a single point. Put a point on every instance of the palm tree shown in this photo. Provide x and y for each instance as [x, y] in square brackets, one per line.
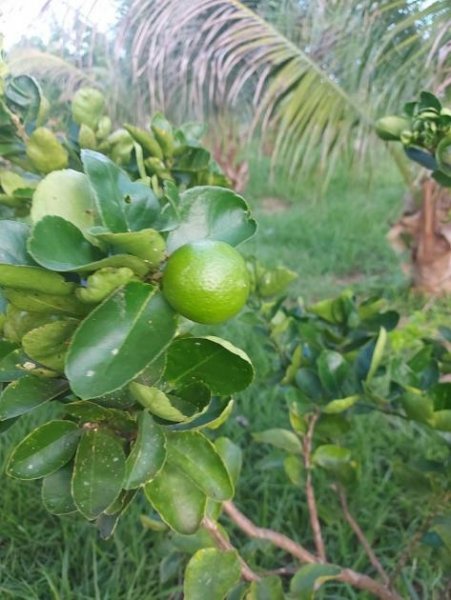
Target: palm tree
[307, 78]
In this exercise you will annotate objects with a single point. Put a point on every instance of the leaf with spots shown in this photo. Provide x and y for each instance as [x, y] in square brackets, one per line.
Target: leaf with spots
[102, 358]
[178, 501]
[98, 472]
[211, 573]
[26, 394]
[44, 450]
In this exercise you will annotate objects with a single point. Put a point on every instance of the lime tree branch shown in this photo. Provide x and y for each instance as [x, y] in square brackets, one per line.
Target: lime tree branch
[309, 490]
[360, 535]
[357, 580]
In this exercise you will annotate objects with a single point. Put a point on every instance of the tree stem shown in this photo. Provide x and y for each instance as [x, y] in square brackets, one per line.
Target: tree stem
[358, 580]
[310, 493]
[360, 535]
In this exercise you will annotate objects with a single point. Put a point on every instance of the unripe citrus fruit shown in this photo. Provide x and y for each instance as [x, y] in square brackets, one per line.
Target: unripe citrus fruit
[206, 281]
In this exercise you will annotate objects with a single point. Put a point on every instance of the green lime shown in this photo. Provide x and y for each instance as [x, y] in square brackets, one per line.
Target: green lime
[206, 281]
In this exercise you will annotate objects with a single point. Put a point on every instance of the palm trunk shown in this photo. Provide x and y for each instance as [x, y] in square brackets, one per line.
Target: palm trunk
[427, 234]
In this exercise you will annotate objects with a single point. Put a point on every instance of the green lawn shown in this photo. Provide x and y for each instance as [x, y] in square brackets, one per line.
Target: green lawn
[335, 242]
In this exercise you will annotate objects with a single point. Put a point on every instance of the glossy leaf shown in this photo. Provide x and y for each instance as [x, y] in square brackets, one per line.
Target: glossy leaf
[198, 459]
[332, 371]
[179, 502]
[218, 364]
[44, 450]
[26, 394]
[65, 194]
[280, 438]
[98, 472]
[13, 243]
[215, 415]
[211, 574]
[104, 178]
[212, 213]
[58, 245]
[309, 578]
[56, 492]
[48, 344]
[102, 359]
[147, 455]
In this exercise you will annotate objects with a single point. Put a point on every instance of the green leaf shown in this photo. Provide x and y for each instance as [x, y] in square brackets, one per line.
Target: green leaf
[309, 578]
[280, 438]
[178, 501]
[104, 177]
[332, 371]
[418, 405]
[13, 243]
[26, 394]
[213, 213]
[170, 408]
[215, 415]
[217, 363]
[231, 456]
[197, 457]
[147, 455]
[65, 194]
[308, 382]
[24, 96]
[146, 244]
[377, 354]
[34, 279]
[441, 420]
[48, 344]
[268, 588]
[56, 492]
[294, 468]
[44, 450]
[45, 151]
[211, 573]
[36, 302]
[330, 456]
[19, 322]
[275, 281]
[144, 324]
[58, 245]
[12, 365]
[340, 405]
[98, 472]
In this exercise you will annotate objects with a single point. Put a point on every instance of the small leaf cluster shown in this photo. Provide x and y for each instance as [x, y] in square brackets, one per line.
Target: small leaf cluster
[425, 133]
[86, 327]
[345, 357]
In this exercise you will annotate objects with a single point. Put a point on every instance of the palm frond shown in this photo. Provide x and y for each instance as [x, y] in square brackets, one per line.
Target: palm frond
[210, 55]
[50, 67]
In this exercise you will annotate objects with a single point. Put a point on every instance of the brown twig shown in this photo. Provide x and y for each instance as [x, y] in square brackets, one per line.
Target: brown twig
[224, 544]
[360, 535]
[310, 493]
[279, 540]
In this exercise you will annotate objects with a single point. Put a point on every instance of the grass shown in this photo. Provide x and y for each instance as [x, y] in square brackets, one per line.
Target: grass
[338, 241]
